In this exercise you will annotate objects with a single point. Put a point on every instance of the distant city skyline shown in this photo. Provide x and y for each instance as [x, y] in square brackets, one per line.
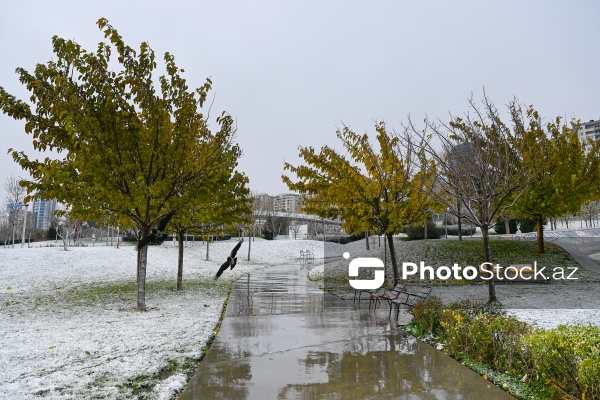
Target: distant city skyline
[290, 73]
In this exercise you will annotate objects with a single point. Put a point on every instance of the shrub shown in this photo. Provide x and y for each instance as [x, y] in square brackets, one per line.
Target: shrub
[427, 315]
[495, 341]
[500, 228]
[416, 232]
[51, 233]
[465, 230]
[220, 237]
[569, 356]
[454, 331]
[127, 237]
[527, 225]
[268, 234]
[484, 333]
[346, 239]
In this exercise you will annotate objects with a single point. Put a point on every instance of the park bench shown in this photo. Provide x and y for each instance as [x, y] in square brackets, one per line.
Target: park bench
[409, 300]
[388, 295]
[307, 257]
[370, 292]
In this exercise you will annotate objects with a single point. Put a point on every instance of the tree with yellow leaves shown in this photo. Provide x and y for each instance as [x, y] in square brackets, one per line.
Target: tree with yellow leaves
[562, 174]
[132, 148]
[371, 188]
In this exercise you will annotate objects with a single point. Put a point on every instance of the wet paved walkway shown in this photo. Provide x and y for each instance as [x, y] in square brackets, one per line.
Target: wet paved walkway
[581, 249]
[283, 338]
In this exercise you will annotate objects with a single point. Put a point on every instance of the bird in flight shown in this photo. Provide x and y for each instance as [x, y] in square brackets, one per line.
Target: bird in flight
[156, 235]
[231, 260]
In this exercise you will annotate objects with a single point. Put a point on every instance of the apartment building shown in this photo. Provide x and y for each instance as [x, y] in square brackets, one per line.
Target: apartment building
[589, 130]
[287, 202]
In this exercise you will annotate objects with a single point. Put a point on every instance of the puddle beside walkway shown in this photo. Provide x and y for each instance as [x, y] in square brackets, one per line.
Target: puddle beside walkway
[281, 340]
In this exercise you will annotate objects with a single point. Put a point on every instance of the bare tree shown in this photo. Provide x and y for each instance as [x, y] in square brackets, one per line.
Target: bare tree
[566, 219]
[589, 212]
[315, 226]
[476, 167]
[65, 227]
[265, 218]
[262, 207]
[30, 228]
[5, 226]
[294, 229]
[15, 194]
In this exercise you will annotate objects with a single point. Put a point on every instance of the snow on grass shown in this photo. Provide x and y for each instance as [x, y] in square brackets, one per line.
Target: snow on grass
[317, 273]
[551, 302]
[69, 329]
[549, 319]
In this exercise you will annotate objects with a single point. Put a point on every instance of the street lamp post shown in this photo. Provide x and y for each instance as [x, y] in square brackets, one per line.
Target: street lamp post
[24, 225]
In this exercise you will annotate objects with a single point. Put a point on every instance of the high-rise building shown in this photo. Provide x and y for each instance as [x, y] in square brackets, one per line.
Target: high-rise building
[43, 210]
[589, 130]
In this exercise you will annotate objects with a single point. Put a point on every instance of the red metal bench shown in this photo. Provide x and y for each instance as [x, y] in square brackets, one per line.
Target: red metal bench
[410, 300]
[388, 295]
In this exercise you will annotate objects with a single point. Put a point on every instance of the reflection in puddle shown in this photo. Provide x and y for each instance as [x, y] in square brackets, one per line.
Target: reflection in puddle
[278, 341]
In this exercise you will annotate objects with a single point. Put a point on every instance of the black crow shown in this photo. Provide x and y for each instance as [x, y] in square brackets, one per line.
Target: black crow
[156, 235]
[231, 260]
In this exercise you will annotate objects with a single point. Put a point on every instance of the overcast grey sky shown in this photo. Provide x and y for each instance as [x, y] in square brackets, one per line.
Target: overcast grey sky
[290, 72]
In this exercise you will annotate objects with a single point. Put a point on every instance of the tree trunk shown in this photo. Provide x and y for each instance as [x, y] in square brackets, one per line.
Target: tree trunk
[540, 234]
[250, 244]
[390, 239]
[459, 229]
[139, 255]
[180, 263]
[507, 226]
[142, 261]
[487, 253]
[367, 239]
[65, 239]
[207, 241]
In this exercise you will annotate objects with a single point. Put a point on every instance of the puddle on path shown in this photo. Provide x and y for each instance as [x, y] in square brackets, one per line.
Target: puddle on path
[280, 339]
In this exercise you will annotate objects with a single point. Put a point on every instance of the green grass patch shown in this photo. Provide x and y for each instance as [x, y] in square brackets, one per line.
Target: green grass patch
[470, 252]
[436, 253]
[115, 294]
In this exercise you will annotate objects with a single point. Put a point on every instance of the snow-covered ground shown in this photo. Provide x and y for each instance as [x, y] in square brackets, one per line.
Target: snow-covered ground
[68, 325]
[542, 306]
[69, 329]
[549, 318]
